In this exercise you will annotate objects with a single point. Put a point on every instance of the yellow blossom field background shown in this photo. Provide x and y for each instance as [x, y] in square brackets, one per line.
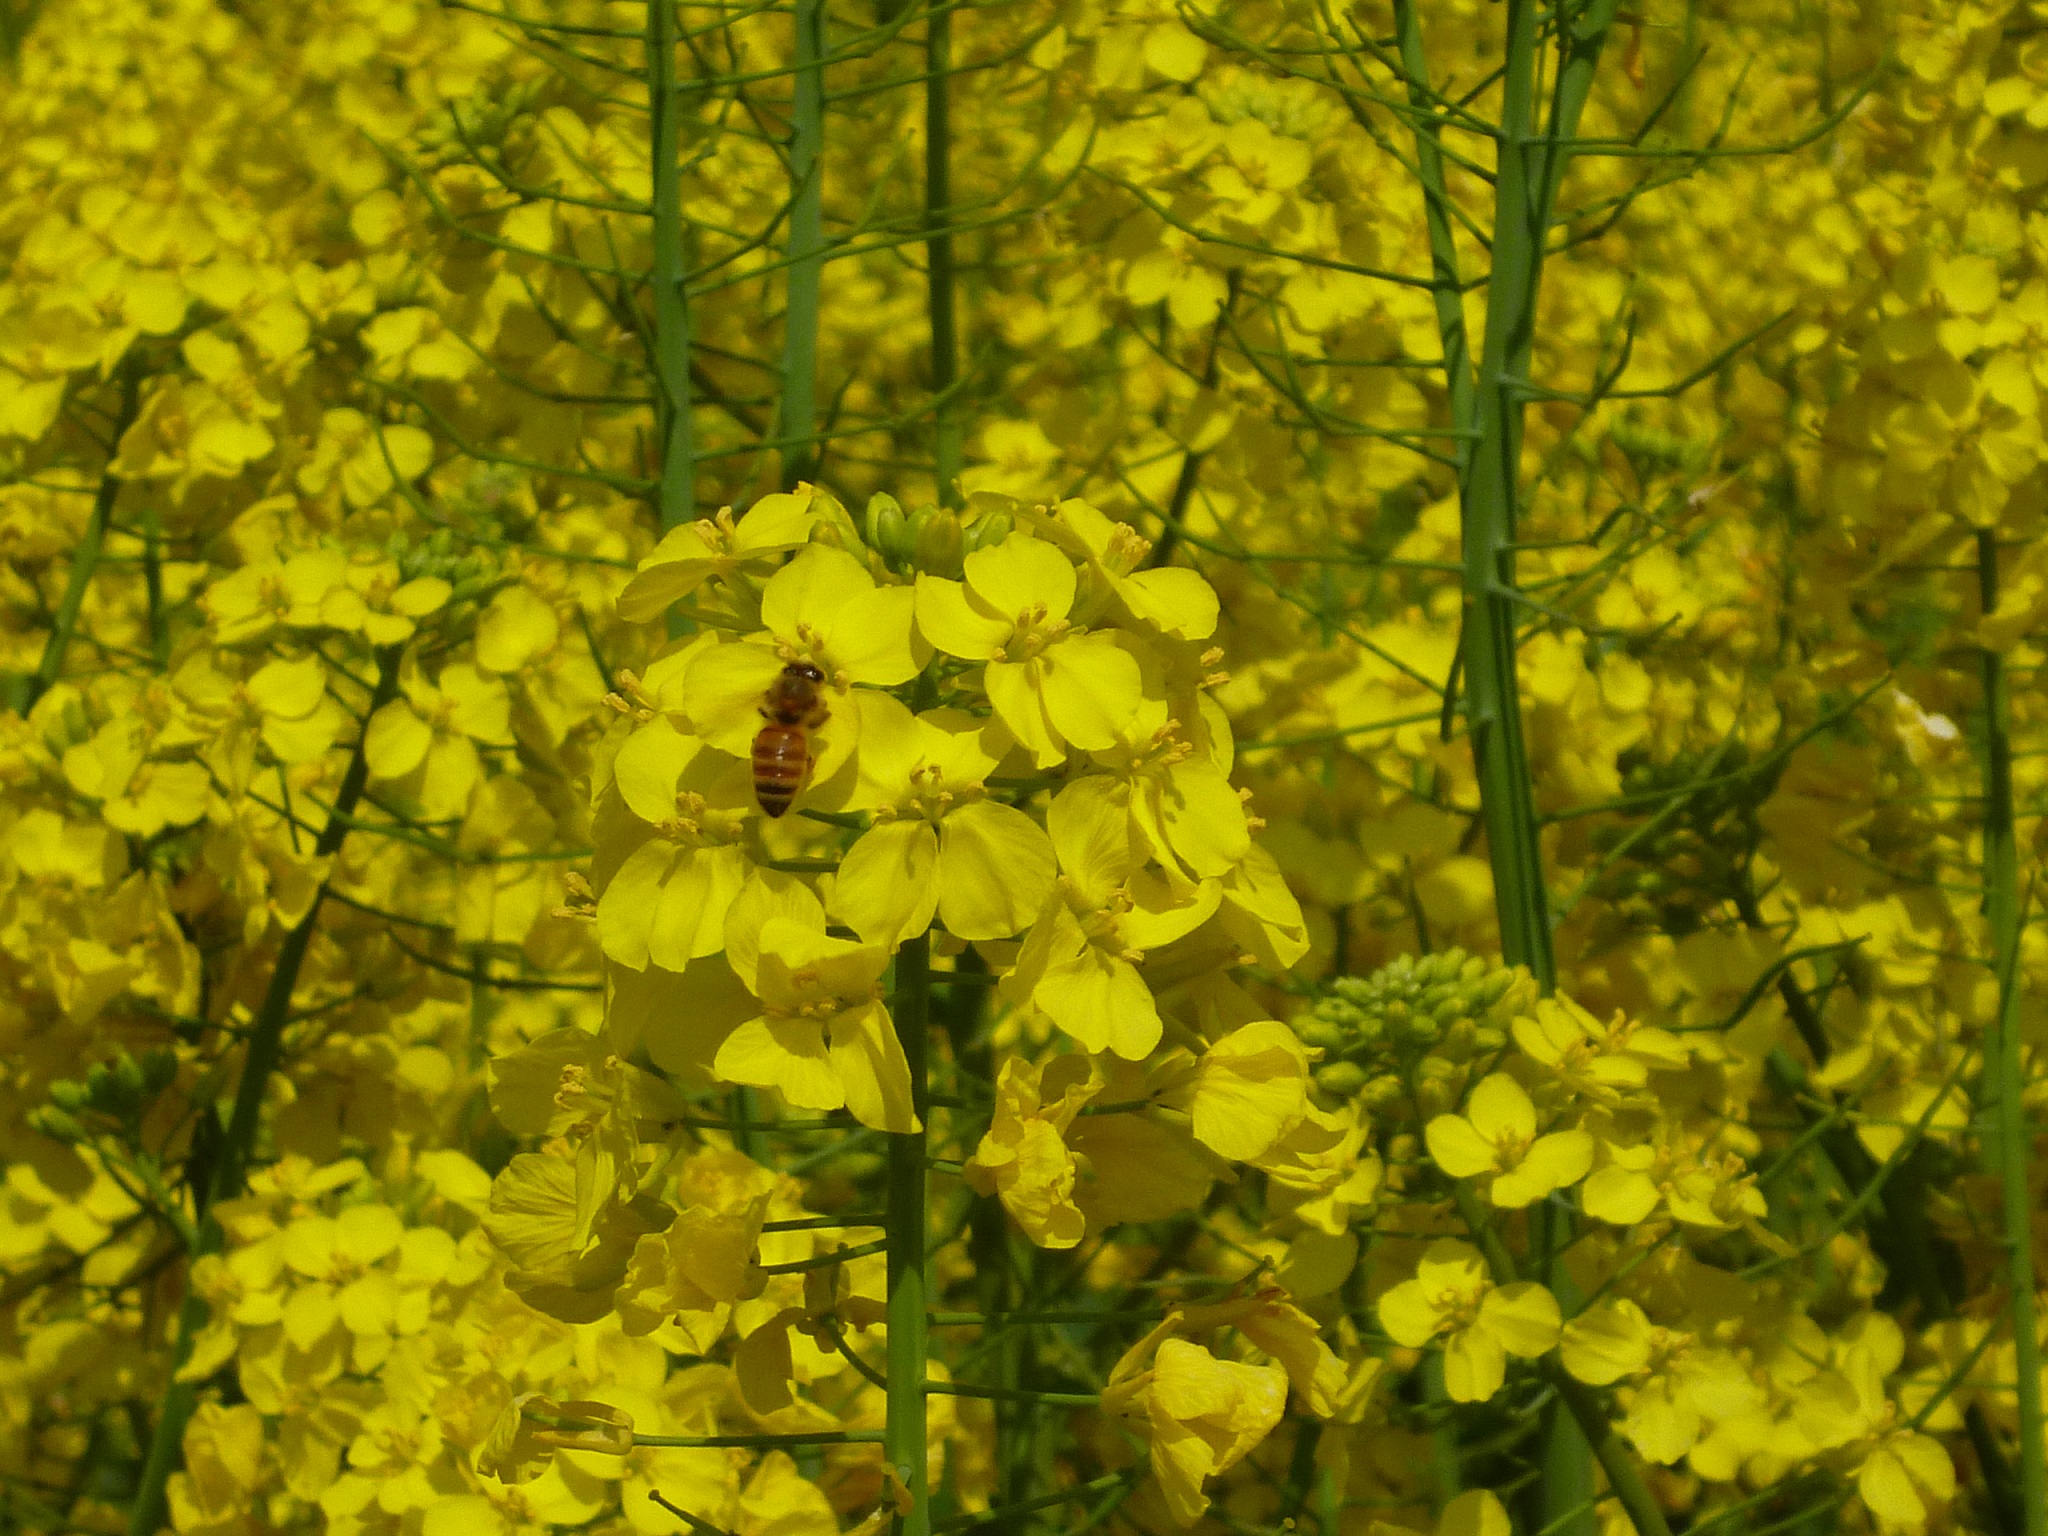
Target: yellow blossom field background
[1407, 637]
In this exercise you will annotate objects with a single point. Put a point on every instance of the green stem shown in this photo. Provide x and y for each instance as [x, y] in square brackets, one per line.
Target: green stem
[86, 558]
[1584, 1408]
[799, 422]
[676, 485]
[1491, 502]
[2005, 1065]
[1443, 247]
[988, 1246]
[938, 201]
[903, 1444]
[1529, 170]
[266, 1045]
[1015, 1394]
[153, 585]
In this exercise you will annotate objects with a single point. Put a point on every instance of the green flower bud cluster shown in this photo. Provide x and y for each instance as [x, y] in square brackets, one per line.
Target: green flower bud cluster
[441, 553]
[1704, 810]
[116, 1090]
[1652, 450]
[1374, 1030]
[928, 540]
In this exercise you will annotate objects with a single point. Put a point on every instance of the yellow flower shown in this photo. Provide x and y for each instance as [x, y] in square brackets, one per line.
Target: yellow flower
[1677, 1386]
[283, 706]
[1902, 1475]
[416, 341]
[1079, 964]
[938, 845]
[666, 903]
[823, 1038]
[564, 1264]
[1202, 1415]
[248, 603]
[1054, 686]
[704, 1261]
[1496, 1139]
[136, 793]
[1585, 1059]
[224, 1466]
[1244, 1093]
[1271, 1321]
[431, 734]
[825, 609]
[365, 459]
[1481, 1324]
[1024, 1158]
[1172, 599]
[692, 553]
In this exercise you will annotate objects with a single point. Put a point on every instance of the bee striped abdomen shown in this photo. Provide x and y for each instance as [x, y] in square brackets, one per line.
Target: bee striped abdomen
[781, 757]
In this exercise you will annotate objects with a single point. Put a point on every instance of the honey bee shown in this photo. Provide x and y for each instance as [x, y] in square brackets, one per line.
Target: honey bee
[782, 748]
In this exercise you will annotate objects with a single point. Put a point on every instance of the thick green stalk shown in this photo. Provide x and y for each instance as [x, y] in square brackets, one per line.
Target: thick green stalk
[799, 424]
[86, 558]
[1491, 503]
[2004, 1064]
[1529, 170]
[231, 1159]
[938, 245]
[676, 480]
[1443, 248]
[903, 1442]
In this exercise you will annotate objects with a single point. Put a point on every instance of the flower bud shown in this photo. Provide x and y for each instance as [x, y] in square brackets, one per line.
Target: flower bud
[1341, 1079]
[987, 531]
[1459, 1039]
[55, 1124]
[1382, 1091]
[1436, 1088]
[884, 527]
[936, 542]
[67, 1095]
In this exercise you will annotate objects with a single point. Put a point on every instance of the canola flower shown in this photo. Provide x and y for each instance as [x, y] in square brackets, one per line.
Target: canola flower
[444, 1103]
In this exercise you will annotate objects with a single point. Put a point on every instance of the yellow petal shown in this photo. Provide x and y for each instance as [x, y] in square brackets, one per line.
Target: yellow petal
[995, 870]
[887, 887]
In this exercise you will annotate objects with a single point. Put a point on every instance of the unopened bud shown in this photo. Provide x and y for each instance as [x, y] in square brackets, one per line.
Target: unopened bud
[936, 542]
[884, 527]
[67, 1095]
[987, 531]
[55, 1124]
[1341, 1079]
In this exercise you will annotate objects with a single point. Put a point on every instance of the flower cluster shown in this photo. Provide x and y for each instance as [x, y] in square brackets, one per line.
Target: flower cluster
[971, 984]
